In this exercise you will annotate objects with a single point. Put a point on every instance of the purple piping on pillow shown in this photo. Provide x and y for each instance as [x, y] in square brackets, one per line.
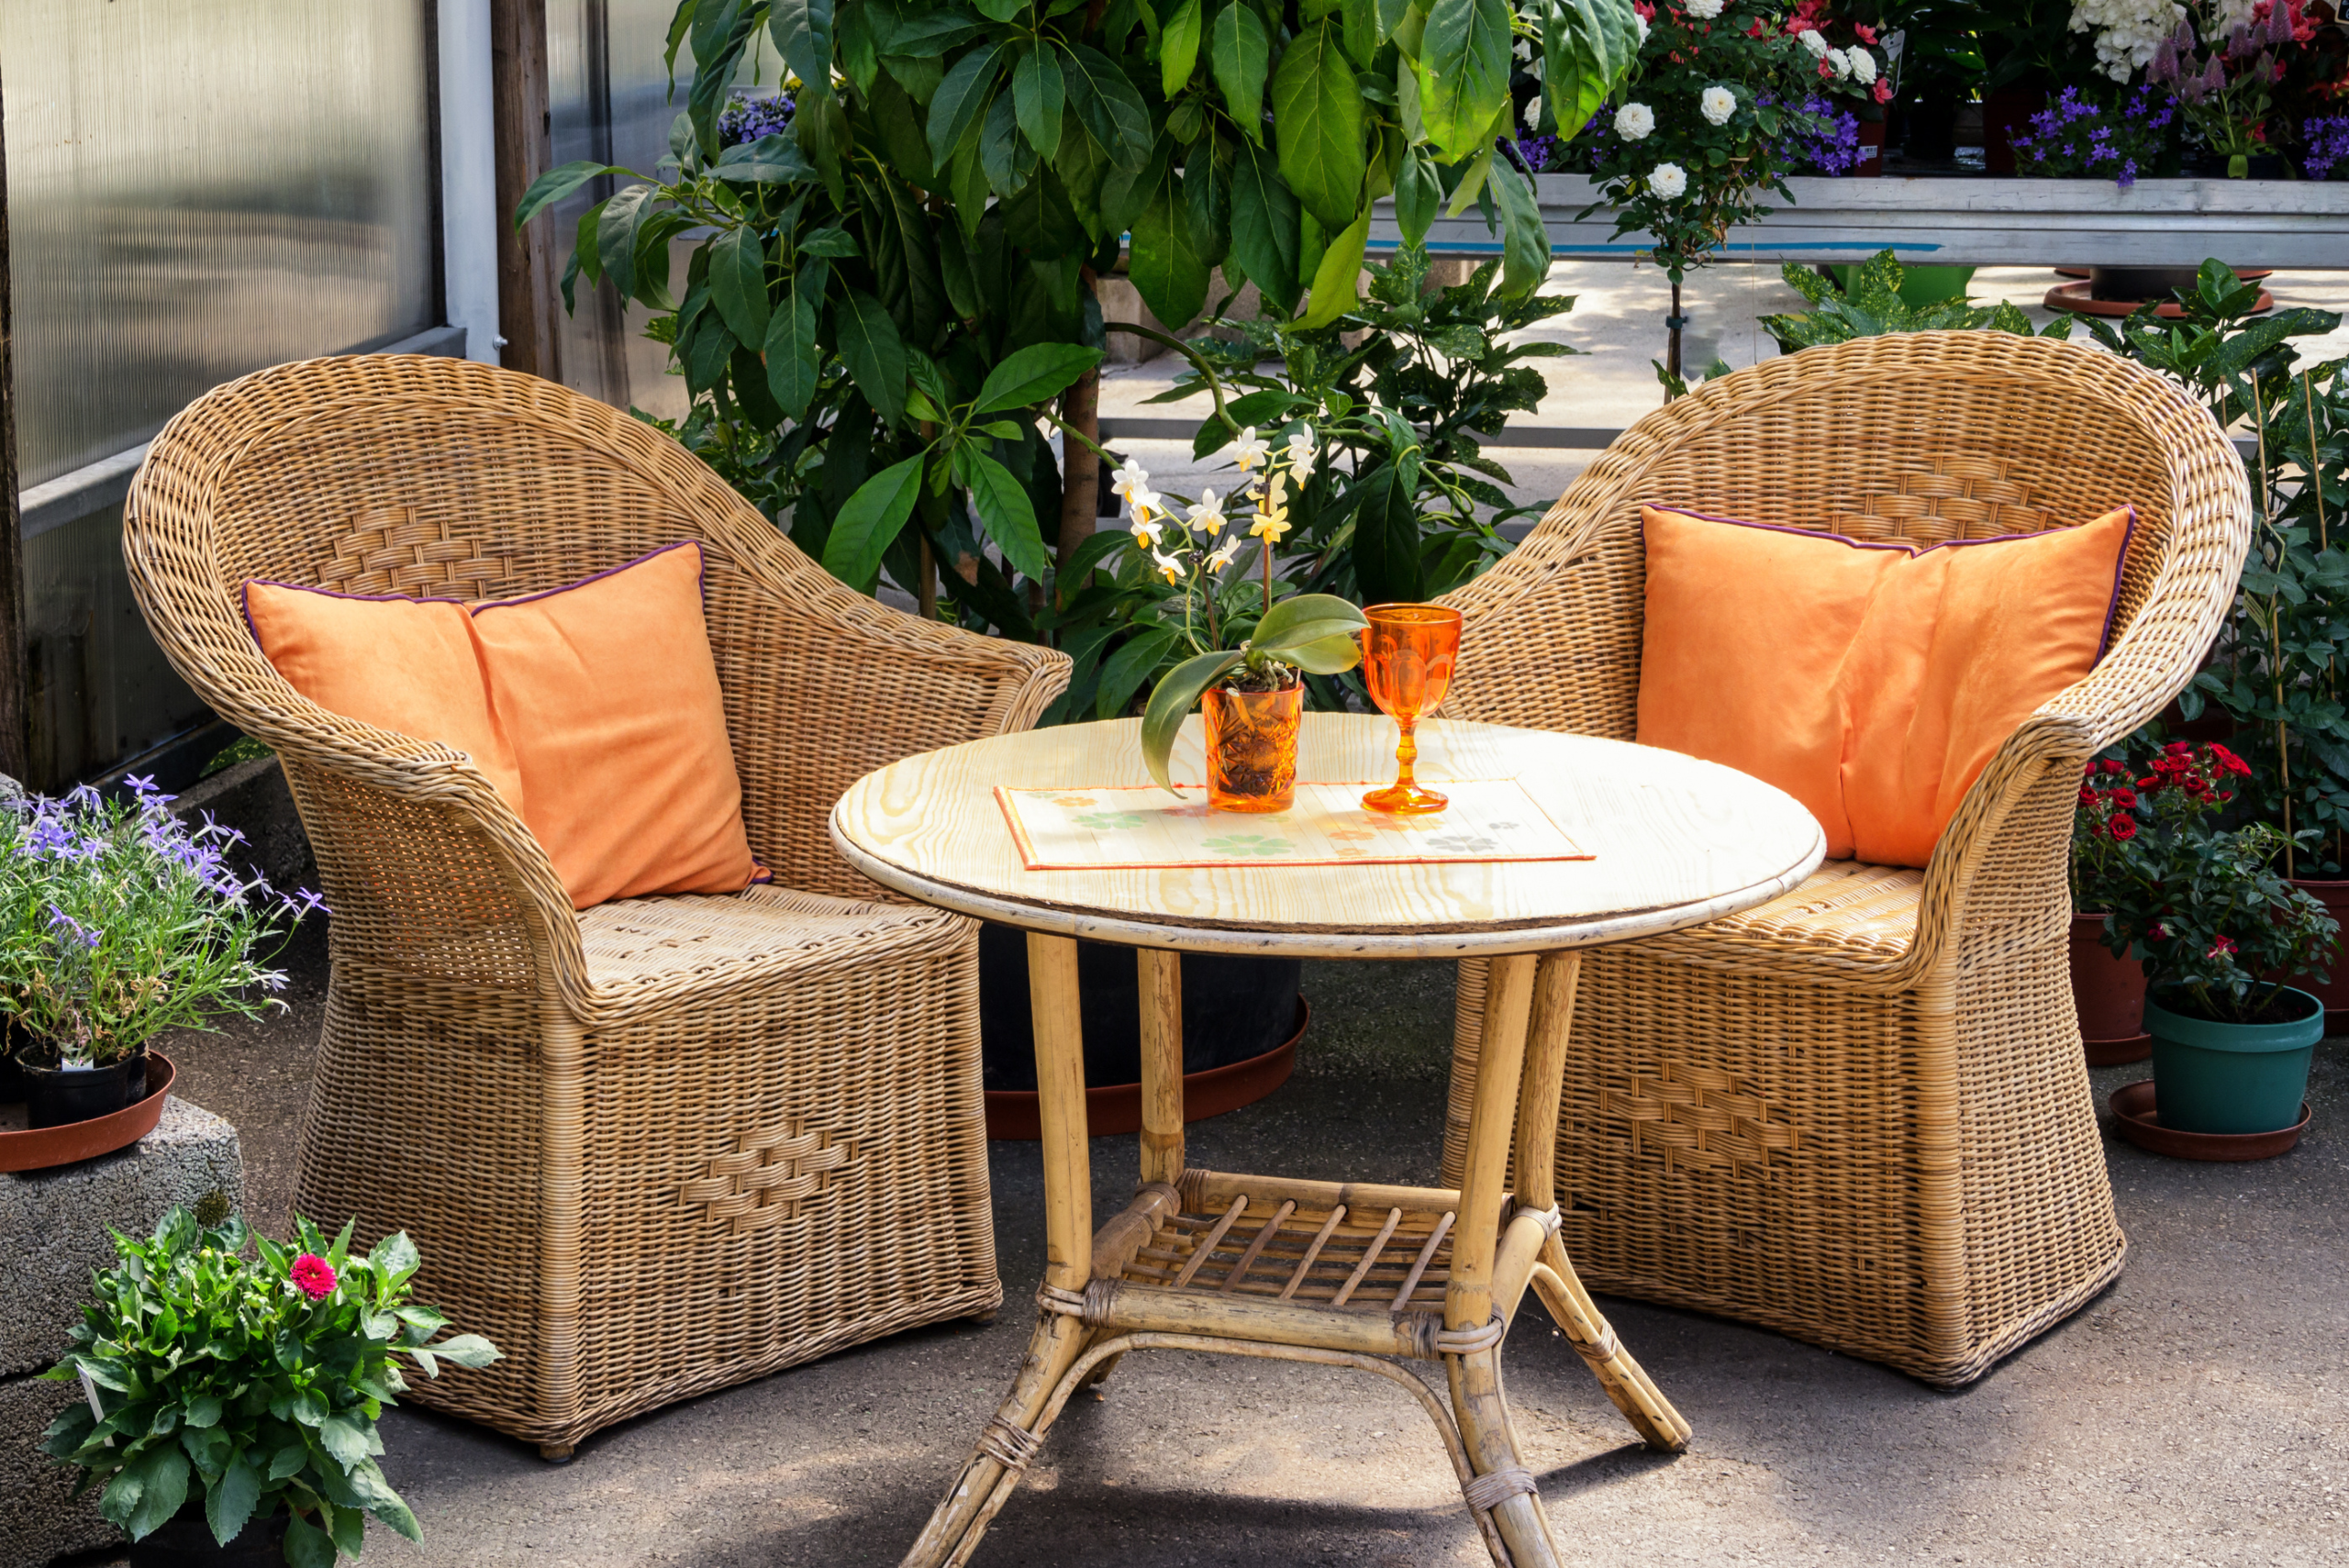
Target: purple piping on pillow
[2119, 563]
[701, 581]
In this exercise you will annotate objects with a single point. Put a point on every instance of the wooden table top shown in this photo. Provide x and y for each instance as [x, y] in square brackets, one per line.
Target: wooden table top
[1675, 842]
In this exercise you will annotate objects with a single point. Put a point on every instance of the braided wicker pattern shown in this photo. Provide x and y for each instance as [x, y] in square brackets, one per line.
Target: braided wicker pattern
[659, 1145]
[1859, 1114]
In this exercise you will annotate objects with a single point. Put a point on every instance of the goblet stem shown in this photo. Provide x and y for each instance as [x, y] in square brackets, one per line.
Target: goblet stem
[1406, 751]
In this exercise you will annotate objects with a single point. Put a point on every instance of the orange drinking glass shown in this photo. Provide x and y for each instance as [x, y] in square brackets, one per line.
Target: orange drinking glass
[1406, 658]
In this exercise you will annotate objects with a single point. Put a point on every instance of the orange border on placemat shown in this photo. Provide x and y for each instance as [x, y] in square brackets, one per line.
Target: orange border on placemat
[1026, 848]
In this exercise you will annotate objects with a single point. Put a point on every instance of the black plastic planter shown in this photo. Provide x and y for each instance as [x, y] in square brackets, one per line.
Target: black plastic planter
[55, 1096]
[185, 1541]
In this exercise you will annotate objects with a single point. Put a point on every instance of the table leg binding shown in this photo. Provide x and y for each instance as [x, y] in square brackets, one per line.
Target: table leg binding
[1468, 1342]
[1009, 1446]
[1606, 1347]
[1067, 1303]
[1486, 1493]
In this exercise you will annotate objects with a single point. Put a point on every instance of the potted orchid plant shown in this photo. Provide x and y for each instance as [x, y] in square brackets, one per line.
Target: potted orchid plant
[1252, 694]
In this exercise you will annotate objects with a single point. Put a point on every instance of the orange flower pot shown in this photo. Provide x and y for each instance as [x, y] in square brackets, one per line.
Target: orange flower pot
[2109, 993]
[1252, 748]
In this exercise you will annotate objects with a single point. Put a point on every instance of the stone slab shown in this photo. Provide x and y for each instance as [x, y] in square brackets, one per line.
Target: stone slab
[39, 1518]
[54, 1224]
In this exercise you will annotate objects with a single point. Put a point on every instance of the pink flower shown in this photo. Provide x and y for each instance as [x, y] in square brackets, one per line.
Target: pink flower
[1883, 91]
[313, 1276]
[2223, 948]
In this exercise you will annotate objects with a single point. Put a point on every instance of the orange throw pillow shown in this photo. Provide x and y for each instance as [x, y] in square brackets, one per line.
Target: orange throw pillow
[1871, 682]
[593, 708]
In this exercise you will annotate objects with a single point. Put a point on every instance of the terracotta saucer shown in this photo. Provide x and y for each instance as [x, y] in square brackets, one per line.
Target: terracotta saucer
[2075, 297]
[2118, 1053]
[2132, 1119]
[42, 1148]
[1117, 1108]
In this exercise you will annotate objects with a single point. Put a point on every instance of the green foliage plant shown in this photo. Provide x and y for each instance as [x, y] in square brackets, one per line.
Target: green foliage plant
[1873, 307]
[955, 176]
[248, 1384]
[118, 921]
[2278, 670]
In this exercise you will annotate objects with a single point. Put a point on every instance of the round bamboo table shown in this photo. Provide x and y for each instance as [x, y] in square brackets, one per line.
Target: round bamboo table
[1351, 1274]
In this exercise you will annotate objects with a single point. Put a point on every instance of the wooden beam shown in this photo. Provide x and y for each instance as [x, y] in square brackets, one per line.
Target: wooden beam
[528, 307]
[13, 735]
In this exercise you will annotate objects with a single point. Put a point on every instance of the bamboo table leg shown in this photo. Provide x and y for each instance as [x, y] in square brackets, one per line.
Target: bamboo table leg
[1003, 1447]
[1634, 1393]
[1160, 976]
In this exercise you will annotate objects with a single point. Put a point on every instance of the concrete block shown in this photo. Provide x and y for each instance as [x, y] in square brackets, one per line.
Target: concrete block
[55, 1229]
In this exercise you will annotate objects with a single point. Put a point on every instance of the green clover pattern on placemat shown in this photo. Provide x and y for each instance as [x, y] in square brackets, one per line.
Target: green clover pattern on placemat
[1239, 845]
[1109, 821]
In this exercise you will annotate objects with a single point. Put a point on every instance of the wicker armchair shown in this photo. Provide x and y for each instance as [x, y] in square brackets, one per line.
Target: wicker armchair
[1859, 1115]
[658, 1146]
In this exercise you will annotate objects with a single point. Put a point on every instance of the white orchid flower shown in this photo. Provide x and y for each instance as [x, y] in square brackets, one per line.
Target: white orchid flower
[1127, 478]
[1301, 453]
[1250, 450]
[1167, 566]
[1635, 122]
[1669, 181]
[1207, 513]
[1717, 103]
[1145, 532]
[1224, 553]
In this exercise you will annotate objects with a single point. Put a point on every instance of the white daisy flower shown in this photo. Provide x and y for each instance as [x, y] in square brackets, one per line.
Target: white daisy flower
[1635, 122]
[1668, 181]
[1716, 103]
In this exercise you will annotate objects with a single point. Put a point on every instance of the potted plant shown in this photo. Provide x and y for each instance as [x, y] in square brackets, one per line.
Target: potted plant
[232, 1398]
[2107, 988]
[2212, 912]
[2225, 80]
[1251, 696]
[117, 920]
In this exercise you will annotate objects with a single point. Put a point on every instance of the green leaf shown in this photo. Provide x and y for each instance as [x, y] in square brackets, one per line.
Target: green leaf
[615, 233]
[1306, 618]
[1004, 153]
[1588, 46]
[307, 1546]
[873, 353]
[1387, 539]
[1178, 47]
[793, 359]
[960, 98]
[468, 1349]
[1264, 227]
[1038, 94]
[163, 1488]
[1318, 117]
[203, 1410]
[1108, 105]
[1419, 195]
[228, 1502]
[1525, 242]
[1161, 719]
[1463, 74]
[1328, 656]
[1002, 503]
[347, 1527]
[770, 160]
[556, 183]
[802, 30]
[1124, 672]
[395, 1254]
[738, 283]
[1036, 372]
[1164, 261]
[831, 242]
[343, 1439]
[1241, 53]
[1338, 280]
[870, 522]
[1207, 199]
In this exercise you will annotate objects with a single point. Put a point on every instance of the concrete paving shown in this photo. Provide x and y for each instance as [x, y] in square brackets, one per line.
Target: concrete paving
[2195, 1413]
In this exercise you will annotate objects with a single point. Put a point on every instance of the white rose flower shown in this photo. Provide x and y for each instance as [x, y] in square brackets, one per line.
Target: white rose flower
[1814, 40]
[1863, 67]
[1703, 10]
[1635, 122]
[1716, 103]
[1534, 112]
[1643, 27]
[1841, 61]
[1668, 181]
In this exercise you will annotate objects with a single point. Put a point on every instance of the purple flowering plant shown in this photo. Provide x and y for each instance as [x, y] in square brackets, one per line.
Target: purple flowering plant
[119, 920]
[2326, 139]
[2074, 136]
[748, 118]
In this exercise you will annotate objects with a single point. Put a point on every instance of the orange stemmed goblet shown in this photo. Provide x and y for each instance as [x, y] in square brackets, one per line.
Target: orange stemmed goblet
[1406, 658]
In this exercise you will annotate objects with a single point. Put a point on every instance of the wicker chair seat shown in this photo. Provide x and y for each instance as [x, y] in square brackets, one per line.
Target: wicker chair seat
[1860, 1113]
[659, 1145]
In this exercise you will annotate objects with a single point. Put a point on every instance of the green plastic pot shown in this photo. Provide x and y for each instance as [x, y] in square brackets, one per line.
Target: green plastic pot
[1920, 286]
[2230, 1078]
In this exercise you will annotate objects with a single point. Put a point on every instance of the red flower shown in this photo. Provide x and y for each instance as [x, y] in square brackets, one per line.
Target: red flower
[1883, 91]
[2160, 933]
[313, 1276]
[2222, 948]
[2088, 796]
[2113, 765]
[2124, 798]
[2179, 749]
[1755, 30]
[2124, 828]
[2193, 784]
[1866, 33]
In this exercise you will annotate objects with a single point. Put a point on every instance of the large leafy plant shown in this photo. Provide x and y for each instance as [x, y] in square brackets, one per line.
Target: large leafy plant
[250, 1385]
[2278, 668]
[951, 179]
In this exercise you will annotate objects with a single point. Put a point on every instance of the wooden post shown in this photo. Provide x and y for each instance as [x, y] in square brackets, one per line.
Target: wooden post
[13, 736]
[528, 307]
[1080, 465]
[1060, 1107]
[1161, 1065]
[1492, 1126]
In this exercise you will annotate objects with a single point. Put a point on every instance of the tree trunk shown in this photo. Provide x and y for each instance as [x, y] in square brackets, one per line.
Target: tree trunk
[528, 307]
[12, 544]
